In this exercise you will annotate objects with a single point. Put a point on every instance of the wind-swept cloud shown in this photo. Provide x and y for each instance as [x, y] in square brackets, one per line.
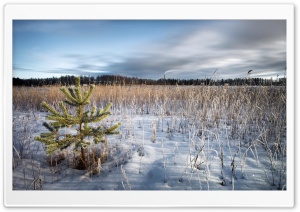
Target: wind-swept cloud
[151, 49]
[233, 46]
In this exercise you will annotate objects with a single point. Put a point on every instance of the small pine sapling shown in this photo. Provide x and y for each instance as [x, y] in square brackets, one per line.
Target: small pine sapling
[57, 139]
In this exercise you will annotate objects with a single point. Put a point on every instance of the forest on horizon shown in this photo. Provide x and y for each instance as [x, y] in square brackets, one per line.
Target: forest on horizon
[123, 80]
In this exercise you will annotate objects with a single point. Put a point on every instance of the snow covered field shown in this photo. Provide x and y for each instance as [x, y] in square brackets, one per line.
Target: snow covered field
[221, 149]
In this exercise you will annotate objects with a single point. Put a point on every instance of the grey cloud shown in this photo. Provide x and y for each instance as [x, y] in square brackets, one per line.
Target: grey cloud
[88, 67]
[19, 68]
[62, 27]
[233, 46]
[251, 34]
[150, 65]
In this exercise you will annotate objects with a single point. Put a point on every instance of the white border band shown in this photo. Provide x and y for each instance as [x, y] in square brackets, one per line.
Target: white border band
[147, 198]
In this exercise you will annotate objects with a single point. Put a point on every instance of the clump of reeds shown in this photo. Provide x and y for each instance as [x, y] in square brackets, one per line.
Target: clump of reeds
[247, 117]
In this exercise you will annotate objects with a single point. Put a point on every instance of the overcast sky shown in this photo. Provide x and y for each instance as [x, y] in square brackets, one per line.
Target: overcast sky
[149, 49]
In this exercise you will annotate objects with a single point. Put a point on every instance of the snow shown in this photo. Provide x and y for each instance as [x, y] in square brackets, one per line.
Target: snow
[180, 156]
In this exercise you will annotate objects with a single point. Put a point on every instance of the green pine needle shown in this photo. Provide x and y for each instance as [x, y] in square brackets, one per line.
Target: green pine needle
[57, 138]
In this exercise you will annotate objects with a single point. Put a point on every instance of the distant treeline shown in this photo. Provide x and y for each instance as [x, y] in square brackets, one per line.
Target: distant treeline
[113, 79]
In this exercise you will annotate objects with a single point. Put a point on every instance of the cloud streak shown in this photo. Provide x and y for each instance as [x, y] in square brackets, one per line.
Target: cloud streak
[235, 47]
[186, 50]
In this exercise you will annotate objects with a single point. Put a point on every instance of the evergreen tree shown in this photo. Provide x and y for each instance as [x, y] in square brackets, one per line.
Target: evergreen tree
[55, 140]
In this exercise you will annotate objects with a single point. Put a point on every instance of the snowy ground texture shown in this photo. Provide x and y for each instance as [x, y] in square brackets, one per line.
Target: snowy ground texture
[172, 138]
[153, 152]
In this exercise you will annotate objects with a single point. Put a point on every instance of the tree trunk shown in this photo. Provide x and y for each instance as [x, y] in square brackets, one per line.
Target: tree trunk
[82, 160]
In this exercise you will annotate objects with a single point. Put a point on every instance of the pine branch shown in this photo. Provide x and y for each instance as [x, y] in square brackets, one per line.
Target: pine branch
[71, 90]
[50, 109]
[79, 111]
[93, 110]
[86, 129]
[97, 118]
[51, 129]
[60, 120]
[69, 96]
[71, 103]
[46, 135]
[47, 139]
[99, 138]
[51, 148]
[64, 109]
[67, 141]
[112, 129]
[107, 107]
[88, 94]
[78, 90]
